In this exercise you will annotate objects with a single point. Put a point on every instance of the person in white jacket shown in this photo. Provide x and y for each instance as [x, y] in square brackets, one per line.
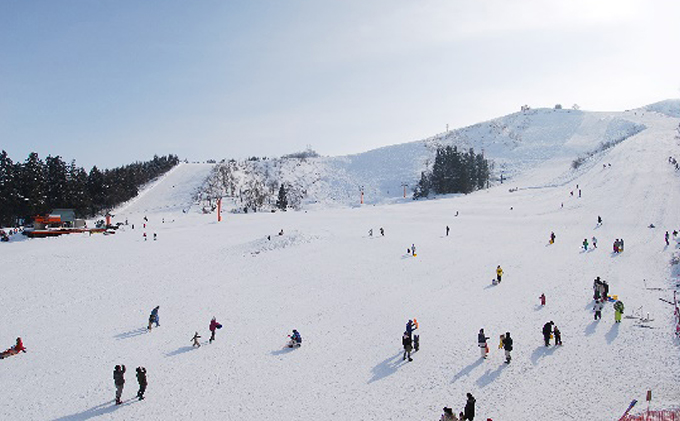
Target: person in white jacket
[597, 308]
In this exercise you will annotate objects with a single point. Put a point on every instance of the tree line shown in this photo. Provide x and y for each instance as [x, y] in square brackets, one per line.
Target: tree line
[454, 172]
[36, 186]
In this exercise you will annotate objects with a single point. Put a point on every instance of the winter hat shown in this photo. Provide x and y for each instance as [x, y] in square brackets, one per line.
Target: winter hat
[448, 411]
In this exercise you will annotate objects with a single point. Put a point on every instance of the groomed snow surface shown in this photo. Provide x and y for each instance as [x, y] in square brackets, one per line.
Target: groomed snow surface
[81, 304]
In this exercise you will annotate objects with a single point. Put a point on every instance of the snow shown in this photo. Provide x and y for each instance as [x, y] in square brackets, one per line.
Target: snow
[81, 303]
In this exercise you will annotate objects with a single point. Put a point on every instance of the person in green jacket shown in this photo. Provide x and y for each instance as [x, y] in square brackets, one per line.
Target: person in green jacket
[618, 311]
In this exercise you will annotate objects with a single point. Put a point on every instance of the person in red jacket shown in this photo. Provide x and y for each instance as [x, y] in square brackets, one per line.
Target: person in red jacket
[213, 326]
[19, 347]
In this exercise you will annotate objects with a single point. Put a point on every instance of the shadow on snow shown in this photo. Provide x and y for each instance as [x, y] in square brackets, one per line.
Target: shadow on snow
[388, 367]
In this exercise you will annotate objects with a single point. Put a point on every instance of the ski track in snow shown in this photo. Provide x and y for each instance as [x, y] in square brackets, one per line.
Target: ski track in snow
[81, 303]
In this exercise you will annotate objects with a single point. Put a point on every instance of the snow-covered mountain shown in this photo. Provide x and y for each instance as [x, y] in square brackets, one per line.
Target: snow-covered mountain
[81, 303]
[515, 144]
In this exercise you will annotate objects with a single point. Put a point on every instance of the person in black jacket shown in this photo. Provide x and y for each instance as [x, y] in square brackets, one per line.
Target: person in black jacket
[408, 345]
[119, 381]
[481, 343]
[141, 379]
[470, 407]
[507, 346]
[547, 331]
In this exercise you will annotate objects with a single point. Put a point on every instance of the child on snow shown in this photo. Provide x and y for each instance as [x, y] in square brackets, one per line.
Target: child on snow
[597, 308]
[448, 415]
[416, 343]
[195, 339]
[558, 336]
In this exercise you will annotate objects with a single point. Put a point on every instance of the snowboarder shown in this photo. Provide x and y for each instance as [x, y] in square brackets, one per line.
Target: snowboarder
[195, 339]
[141, 379]
[499, 274]
[448, 415]
[507, 346]
[541, 298]
[470, 407]
[295, 340]
[214, 325]
[447, 230]
[597, 308]
[552, 238]
[585, 244]
[558, 336]
[481, 342]
[119, 381]
[547, 332]
[594, 241]
[416, 343]
[408, 345]
[618, 311]
[666, 238]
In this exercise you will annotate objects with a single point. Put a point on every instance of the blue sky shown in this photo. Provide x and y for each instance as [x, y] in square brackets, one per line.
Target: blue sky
[112, 82]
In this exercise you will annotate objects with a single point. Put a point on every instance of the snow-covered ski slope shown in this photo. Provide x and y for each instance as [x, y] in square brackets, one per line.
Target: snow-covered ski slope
[515, 144]
[170, 193]
[81, 303]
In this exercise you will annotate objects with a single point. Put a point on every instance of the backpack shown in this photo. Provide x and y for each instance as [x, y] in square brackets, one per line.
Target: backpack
[618, 306]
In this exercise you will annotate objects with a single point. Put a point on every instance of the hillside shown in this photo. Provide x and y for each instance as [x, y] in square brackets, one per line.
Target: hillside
[515, 144]
[81, 303]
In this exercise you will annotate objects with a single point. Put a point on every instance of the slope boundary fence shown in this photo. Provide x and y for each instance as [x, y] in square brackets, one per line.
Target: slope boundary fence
[664, 415]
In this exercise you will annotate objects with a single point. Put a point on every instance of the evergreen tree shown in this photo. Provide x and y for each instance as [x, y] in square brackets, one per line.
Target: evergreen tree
[282, 202]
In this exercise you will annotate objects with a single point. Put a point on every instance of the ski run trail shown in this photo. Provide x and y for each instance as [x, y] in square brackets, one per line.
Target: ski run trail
[81, 303]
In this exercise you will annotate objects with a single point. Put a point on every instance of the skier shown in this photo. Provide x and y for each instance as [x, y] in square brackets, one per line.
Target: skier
[416, 343]
[119, 381]
[507, 346]
[585, 244]
[195, 339]
[499, 274]
[547, 331]
[598, 309]
[448, 415]
[541, 298]
[141, 379]
[618, 311]
[214, 325]
[447, 230]
[594, 241]
[295, 340]
[408, 346]
[481, 342]
[666, 238]
[558, 336]
[470, 407]
[552, 238]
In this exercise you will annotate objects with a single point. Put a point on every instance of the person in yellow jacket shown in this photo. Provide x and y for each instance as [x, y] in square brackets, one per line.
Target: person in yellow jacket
[499, 273]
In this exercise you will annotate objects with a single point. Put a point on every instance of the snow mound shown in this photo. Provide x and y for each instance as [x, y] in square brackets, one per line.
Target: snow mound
[669, 107]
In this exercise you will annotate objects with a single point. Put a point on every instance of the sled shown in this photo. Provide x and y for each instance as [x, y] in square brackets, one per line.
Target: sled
[292, 344]
[8, 353]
